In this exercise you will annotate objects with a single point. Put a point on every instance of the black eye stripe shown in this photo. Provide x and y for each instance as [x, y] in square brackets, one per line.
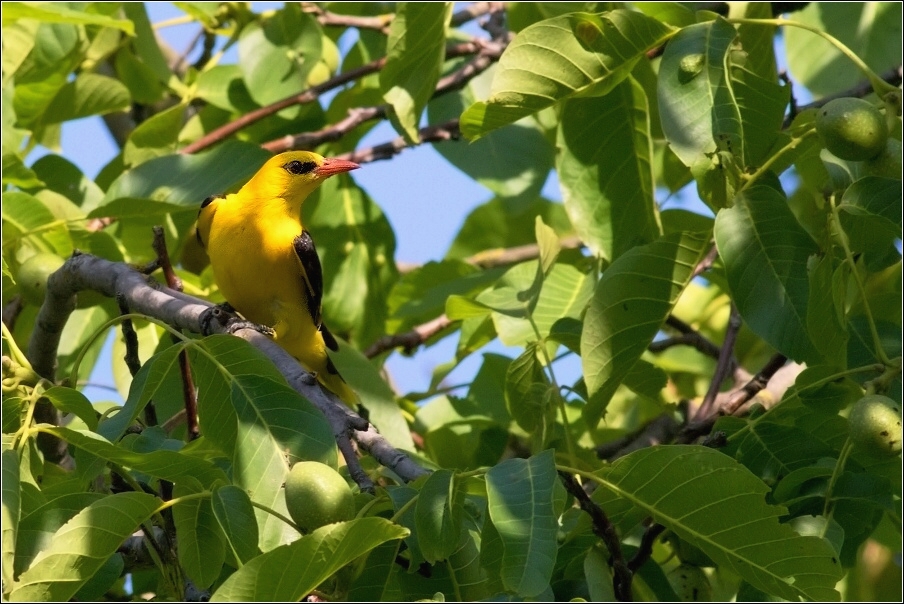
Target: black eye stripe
[298, 167]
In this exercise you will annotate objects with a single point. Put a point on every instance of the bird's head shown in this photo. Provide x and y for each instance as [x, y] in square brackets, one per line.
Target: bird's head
[296, 174]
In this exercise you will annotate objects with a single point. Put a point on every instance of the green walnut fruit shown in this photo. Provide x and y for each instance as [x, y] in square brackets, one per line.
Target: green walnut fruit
[852, 129]
[691, 584]
[876, 425]
[888, 163]
[32, 276]
[317, 495]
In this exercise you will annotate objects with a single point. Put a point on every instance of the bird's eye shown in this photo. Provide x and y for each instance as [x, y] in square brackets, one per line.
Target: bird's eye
[299, 167]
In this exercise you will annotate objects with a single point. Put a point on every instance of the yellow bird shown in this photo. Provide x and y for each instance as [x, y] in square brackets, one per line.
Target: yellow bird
[265, 263]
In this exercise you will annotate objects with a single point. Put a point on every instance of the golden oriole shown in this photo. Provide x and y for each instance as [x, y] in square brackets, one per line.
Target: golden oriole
[265, 263]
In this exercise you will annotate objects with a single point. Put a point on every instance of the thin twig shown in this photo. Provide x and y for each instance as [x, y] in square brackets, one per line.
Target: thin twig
[131, 358]
[646, 547]
[309, 96]
[189, 397]
[733, 400]
[892, 76]
[311, 140]
[723, 365]
[11, 311]
[689, 336]
[329, 19]
[430, 134]
[604, 529]
[658, 431]
[409, 340]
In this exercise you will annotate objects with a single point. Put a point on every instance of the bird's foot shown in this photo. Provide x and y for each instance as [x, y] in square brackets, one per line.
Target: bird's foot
[221, 314]
[226, 316]
[234, 326]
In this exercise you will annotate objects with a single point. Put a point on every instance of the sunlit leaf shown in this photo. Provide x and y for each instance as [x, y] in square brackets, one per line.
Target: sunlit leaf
[559, 58]
[82, 545]
[630, 303]
[715, 503]
[290, 572]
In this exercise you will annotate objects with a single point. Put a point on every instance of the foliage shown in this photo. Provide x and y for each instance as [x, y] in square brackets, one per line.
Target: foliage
[632, 107]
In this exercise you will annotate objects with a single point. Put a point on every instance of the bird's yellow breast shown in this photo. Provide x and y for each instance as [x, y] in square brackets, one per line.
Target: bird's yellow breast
[256, 267]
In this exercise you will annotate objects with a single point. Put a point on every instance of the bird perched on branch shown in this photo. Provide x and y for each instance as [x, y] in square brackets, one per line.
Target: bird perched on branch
[265, 263]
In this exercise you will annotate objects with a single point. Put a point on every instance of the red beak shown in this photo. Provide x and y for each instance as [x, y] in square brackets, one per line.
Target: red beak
[333, 166]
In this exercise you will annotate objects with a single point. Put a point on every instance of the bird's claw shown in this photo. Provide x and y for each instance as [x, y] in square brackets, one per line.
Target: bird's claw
[221, 313]
[234, 326]
[225, 316]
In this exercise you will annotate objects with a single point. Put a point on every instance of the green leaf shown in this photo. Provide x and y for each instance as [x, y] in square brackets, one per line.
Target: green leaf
[154, 137]
[144, 386]
[520, 502]
[716, 504]
[548, 245]
[414, 57]
[274, 422]
[513, 163]
[696, 106]
[278, 53]
[555, 59]
[201, 548]
[871, 30]
[81, 547]
[38, 526]
[27, 218]
[98, 585]
[18, 40]
[12, 510]
[50, 12]
[630, 303]
[291, 571]
[88, 94]
[438, 516]
[826, 321]
[375, 394]
[496, 224]
[146, 48]
[420, 295]
[378, 581]
[142, 82]
[62, 176]
[870, 213]
[174, 466]
[607, 182]
[186, 180]
[357, 246]
[526, 389]
[235, 514]
[765, 252]
[72, 401]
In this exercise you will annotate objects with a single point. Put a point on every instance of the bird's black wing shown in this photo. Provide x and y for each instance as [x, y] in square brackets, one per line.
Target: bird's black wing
[312, 280]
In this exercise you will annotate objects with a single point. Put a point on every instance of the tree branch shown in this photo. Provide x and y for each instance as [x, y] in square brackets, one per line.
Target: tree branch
[724, 364]
[310, 95]
[84, 271]
[602, 528]
[729, 403]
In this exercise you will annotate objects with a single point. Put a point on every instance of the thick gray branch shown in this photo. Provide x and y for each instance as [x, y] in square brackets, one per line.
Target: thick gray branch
[182, 311]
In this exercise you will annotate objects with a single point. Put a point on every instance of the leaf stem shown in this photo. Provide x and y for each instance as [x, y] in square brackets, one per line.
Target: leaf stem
[14, 349]
[276, 514]
[793, 144]
[841, 238]
[404, 508]
[560, 400]
[879, 85]
[827, 507]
